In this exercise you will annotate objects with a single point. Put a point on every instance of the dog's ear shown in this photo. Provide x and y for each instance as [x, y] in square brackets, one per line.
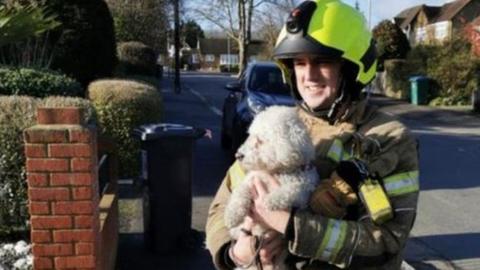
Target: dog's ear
[300, 140]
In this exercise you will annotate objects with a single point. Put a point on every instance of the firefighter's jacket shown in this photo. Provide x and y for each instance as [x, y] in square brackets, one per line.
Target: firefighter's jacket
[325, 243]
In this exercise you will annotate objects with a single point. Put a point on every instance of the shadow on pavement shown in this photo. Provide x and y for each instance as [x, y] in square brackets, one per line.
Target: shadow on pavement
[463, 154]
[460, 246]
[133, 254]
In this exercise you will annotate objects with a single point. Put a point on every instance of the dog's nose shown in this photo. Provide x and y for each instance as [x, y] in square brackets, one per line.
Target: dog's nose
[239, 156]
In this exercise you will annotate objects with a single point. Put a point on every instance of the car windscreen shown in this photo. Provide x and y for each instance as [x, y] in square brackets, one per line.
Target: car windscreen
[267, 79]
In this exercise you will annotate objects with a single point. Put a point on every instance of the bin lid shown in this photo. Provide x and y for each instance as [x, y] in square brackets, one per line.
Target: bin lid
[167, 130]
[418, 78]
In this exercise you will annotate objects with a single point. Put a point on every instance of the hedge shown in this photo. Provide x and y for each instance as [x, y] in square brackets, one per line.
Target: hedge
[453, 79]
[136, 58]
[396, 78]
[84, 44]
[121, 106]
[37, 82]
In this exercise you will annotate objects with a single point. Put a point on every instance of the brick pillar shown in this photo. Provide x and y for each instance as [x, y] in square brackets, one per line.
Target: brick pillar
[61, 154]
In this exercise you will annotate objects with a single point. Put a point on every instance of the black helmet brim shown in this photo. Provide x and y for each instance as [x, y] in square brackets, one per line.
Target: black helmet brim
[298, 44]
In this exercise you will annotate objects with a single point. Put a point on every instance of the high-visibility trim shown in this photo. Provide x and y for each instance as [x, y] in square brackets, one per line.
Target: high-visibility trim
[339, 245]
[402, 183]
[237, 174]
[333, 240]
[337, 152]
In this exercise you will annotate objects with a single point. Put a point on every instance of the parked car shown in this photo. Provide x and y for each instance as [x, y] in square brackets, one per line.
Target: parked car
[260, 86]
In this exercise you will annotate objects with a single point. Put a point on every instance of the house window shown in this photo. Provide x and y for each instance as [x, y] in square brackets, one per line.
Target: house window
[228, 59]
[441, 30]
[421, 34]
[209, 58]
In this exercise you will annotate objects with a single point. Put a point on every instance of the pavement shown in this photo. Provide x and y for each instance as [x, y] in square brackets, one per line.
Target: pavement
[190, 253]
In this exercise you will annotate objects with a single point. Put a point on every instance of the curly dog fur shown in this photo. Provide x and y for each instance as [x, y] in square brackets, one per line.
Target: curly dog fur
[278, 144]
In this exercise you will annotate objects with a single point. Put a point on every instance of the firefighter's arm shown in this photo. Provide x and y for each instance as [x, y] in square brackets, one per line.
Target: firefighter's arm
[217, 236]
[226, 253]
[362, 242]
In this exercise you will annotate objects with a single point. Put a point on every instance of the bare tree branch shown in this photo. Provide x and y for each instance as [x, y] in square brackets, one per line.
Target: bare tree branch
[236, 18]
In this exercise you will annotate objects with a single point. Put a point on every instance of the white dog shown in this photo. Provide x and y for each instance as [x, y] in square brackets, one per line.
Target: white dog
[278, 144]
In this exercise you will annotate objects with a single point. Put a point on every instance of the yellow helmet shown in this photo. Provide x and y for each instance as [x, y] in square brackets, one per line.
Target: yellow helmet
[329, 28]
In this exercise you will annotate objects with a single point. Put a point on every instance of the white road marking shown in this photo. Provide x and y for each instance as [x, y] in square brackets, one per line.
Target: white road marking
[212, 108]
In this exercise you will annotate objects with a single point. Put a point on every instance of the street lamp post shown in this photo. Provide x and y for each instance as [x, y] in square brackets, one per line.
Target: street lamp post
[228, 52]
[176, 82]
[369, 14]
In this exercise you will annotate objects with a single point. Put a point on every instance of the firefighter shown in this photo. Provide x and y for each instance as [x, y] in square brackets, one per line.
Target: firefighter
[327, 56]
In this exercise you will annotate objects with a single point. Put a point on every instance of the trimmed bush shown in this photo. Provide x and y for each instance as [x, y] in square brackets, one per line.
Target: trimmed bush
[397, 84]
[391, 42]
[457, 77]
[146, 21]
[121, 106]
[453, 79]
[17, 114]
[37, 83]
[136, 58]
[153, 81]
[85, 42]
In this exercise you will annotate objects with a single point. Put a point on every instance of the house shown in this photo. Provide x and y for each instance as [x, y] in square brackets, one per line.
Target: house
[220, 53]
[188, 56]
[433, 24]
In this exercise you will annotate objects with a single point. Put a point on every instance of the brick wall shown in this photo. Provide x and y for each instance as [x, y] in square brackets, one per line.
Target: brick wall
[63, 190]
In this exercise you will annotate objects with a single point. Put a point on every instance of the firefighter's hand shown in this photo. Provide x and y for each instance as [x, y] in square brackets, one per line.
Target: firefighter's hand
[243, 252]
[276, 220]
[273, 245]
[332, 197]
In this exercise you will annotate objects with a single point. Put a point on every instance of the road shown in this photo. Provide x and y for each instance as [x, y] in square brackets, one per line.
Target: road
[448, 216]
[446, 233]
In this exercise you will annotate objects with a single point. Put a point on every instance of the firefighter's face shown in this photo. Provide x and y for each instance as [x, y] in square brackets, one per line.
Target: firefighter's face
[317, 80]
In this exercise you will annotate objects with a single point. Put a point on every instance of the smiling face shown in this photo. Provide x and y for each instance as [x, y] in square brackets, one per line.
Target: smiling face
[317, 80]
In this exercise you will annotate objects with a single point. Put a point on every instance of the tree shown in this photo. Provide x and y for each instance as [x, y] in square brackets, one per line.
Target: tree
[22, 35]
[85, 43]
[146, 21]
[235, 18]
[391, 41]
[271, 18]
[191, 32]
[19, 22]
